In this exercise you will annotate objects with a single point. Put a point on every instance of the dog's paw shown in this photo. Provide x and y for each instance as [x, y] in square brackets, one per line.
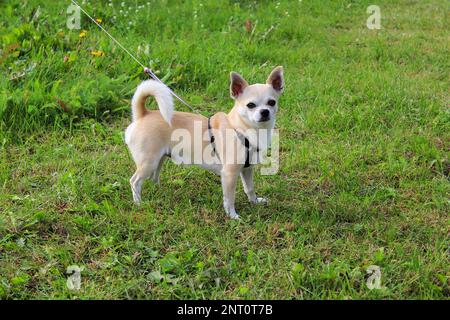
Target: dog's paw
[233, 214]
[230, 211]
[235, 217]
[260, 201]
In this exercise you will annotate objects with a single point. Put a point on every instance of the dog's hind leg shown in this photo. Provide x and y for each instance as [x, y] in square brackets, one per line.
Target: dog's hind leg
[146, 170]
[155, 176]
[136, 187]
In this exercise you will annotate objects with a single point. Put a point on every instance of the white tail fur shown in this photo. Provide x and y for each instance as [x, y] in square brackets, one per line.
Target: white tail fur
[162, 95]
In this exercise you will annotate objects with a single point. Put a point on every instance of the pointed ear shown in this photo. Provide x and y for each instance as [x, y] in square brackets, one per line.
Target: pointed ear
[238, 84]
[276, 79]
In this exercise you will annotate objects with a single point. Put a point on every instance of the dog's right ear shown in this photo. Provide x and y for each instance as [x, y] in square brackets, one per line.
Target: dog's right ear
[238, 84]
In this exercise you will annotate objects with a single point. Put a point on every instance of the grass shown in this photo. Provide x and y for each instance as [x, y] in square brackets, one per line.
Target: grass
[364, 166]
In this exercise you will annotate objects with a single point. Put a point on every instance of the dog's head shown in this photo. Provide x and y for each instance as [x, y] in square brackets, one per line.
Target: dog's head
[257, 104]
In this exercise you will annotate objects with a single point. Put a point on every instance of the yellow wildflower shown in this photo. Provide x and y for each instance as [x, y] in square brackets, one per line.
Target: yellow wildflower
[97, 53]
[83, 34]
[99, 20]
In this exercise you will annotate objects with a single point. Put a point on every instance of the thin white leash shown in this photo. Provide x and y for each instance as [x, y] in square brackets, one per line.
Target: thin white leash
[146, 70]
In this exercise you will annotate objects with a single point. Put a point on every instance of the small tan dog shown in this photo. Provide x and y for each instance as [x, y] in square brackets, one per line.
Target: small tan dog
[154, 135]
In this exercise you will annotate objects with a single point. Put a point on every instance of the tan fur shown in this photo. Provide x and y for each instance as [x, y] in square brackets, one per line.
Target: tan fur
[149, 137]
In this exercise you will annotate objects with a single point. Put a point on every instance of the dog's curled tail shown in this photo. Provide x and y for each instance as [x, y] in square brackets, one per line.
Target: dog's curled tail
[162, 95]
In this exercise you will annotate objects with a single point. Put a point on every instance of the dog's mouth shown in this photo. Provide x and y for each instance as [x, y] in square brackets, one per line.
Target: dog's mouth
[264, 119]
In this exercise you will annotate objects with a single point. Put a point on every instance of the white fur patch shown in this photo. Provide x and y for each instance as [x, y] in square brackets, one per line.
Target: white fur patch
[129, 132]
[162, 95]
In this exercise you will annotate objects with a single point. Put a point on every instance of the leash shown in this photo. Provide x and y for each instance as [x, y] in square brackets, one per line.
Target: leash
[146, 69]
[152, 75]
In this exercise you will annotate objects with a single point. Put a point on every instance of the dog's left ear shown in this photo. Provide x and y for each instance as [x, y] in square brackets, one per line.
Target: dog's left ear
[276, 79]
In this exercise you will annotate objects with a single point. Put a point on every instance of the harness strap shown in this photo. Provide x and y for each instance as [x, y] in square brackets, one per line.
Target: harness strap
[247, 152]
[211, 137]
[246, 144]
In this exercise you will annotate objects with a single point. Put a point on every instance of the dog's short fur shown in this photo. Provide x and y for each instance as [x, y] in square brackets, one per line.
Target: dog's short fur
[149, 136]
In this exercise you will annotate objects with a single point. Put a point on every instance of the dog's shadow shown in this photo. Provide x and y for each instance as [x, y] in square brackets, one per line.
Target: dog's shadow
[201, 192]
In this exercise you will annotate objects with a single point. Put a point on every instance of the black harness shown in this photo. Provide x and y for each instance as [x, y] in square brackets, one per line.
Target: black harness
[246, 144]
[211, 137]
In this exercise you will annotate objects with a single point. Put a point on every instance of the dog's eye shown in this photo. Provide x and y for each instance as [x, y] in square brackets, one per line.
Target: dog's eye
[271, 102]
[251, 105]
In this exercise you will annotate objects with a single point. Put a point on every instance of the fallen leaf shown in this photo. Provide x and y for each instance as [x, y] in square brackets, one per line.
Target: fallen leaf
[248, 25]
[62, 105]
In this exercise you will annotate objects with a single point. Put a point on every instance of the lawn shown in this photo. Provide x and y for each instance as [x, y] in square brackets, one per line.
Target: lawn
[364, 144]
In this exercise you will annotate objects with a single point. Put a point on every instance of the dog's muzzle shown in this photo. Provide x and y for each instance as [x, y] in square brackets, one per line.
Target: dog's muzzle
[264, 115]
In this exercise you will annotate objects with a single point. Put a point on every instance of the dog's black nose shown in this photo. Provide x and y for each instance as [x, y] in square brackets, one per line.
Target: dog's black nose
[265, 113]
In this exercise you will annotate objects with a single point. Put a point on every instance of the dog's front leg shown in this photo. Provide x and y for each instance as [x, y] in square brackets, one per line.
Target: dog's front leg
[229, 176]
[247, 182]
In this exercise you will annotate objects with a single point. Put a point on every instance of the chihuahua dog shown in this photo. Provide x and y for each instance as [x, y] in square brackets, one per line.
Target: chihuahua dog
[153, 136]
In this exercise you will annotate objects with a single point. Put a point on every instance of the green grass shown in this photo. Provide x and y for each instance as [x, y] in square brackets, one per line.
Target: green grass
[364, 170]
